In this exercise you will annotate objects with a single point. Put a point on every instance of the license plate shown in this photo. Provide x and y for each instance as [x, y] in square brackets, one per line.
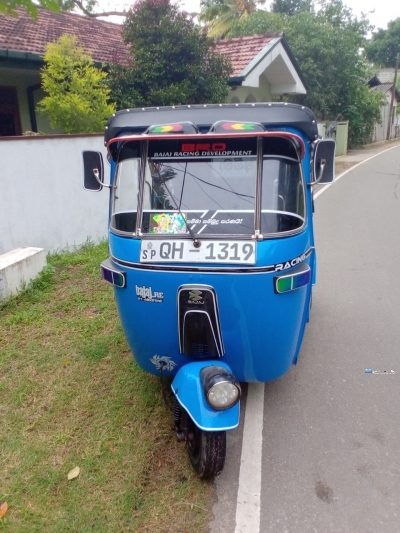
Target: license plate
[183, 251]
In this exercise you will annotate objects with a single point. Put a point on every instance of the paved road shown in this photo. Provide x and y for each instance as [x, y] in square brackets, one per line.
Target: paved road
[331, 432]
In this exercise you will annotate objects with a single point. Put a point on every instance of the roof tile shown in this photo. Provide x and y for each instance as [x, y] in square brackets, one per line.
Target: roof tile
[242, 50]
[101, 39]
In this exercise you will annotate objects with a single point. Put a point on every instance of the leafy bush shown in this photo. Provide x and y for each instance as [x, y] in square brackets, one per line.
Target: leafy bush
[77, 95]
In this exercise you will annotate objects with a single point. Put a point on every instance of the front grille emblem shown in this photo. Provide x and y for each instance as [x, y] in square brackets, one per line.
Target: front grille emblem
[195, 296]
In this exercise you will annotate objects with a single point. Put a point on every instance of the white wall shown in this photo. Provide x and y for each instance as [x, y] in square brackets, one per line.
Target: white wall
[42, 200]
[243, 93]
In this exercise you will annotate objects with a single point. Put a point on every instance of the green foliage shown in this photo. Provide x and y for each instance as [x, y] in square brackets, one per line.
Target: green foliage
[258, 23]
[362, 114]
[290, 7]
[385, 45]
[220, 15]
[9, 7]
[86, 6]
[77, 95]
[172, 61]
[326, 44]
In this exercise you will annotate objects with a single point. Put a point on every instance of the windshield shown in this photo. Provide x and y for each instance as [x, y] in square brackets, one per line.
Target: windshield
[215, 196]
[211, 195]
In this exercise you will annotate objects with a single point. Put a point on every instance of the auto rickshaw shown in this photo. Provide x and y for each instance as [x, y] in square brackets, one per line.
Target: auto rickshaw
[212, 254]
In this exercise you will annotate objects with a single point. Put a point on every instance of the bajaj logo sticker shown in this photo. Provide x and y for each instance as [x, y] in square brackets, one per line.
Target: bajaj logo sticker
[195, 297]
[146, 294]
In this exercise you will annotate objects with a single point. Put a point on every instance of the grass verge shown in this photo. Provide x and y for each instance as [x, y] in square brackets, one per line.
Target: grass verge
[71, 395]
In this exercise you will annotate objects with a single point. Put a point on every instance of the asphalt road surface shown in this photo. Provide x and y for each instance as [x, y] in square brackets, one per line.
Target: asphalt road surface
[328, 433]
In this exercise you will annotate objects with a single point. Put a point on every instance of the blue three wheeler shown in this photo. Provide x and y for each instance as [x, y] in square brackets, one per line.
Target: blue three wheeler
[212, 253]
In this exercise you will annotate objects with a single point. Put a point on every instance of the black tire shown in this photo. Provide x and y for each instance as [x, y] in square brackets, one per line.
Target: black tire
[207, 451]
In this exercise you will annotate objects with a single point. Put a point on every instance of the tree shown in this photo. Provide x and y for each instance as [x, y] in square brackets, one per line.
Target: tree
[172, 61]
[290, 7]
[326, 44]
[87, 7]
[385, 45]
[9, 7]
[220, 15]
[77, 96]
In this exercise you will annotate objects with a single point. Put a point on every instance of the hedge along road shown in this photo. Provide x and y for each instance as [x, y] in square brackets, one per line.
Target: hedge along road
[317, 450]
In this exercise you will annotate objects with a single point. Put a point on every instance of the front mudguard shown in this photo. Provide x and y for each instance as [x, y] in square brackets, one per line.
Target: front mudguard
[188, 390]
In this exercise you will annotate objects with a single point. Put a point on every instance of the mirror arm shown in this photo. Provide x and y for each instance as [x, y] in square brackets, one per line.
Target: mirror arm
[97, 176]
[321, 173]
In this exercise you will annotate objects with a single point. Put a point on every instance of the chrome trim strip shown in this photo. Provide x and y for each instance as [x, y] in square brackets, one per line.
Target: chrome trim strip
[107, 265]
[208, 236]
[210, 289]
[215, 270]
[142, 178]
[203, 137]
[230, 237]
[258, 198]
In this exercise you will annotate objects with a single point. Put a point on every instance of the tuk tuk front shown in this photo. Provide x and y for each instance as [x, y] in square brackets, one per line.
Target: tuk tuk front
[212, 253]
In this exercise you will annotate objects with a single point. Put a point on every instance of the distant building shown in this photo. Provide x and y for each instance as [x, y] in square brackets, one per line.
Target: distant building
[382, 82]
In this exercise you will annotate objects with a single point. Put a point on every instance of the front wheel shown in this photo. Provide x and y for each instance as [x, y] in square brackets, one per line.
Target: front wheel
[207, 451]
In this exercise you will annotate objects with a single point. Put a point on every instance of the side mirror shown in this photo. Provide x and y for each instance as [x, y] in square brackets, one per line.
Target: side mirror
[93, 171]
[324, 161]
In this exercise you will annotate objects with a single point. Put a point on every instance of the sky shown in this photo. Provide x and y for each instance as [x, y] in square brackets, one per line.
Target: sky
[379, 12]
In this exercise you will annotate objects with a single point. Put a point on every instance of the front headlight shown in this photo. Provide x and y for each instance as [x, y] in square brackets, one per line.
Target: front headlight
[221, 389]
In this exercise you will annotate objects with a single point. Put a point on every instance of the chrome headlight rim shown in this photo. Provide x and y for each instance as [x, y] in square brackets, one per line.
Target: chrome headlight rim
[215, 376]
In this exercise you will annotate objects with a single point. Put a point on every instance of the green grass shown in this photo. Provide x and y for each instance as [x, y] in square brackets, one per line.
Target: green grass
[71, 395]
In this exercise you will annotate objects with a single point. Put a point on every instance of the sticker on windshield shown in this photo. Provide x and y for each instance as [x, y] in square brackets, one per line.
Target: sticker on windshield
[167, 223]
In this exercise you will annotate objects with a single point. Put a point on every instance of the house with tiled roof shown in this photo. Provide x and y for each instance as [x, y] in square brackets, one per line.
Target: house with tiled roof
[23, 43]
[383, 83]
[264, 66]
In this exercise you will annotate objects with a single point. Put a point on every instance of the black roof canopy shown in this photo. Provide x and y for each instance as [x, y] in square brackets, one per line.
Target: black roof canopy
[273, 115]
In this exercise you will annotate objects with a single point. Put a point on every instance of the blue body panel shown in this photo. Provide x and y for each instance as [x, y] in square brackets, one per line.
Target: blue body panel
[188, 390]
[262, 331]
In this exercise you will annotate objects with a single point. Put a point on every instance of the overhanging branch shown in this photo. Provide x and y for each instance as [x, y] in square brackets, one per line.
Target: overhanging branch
[79, 5]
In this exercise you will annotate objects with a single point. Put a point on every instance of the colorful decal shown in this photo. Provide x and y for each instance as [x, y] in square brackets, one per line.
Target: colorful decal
[167, 223]
[167, 128]
[294, 280]
[240, 126]
[146, 294]
[197, 147]
[163, 362]
[236, 127]
[203, 147]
